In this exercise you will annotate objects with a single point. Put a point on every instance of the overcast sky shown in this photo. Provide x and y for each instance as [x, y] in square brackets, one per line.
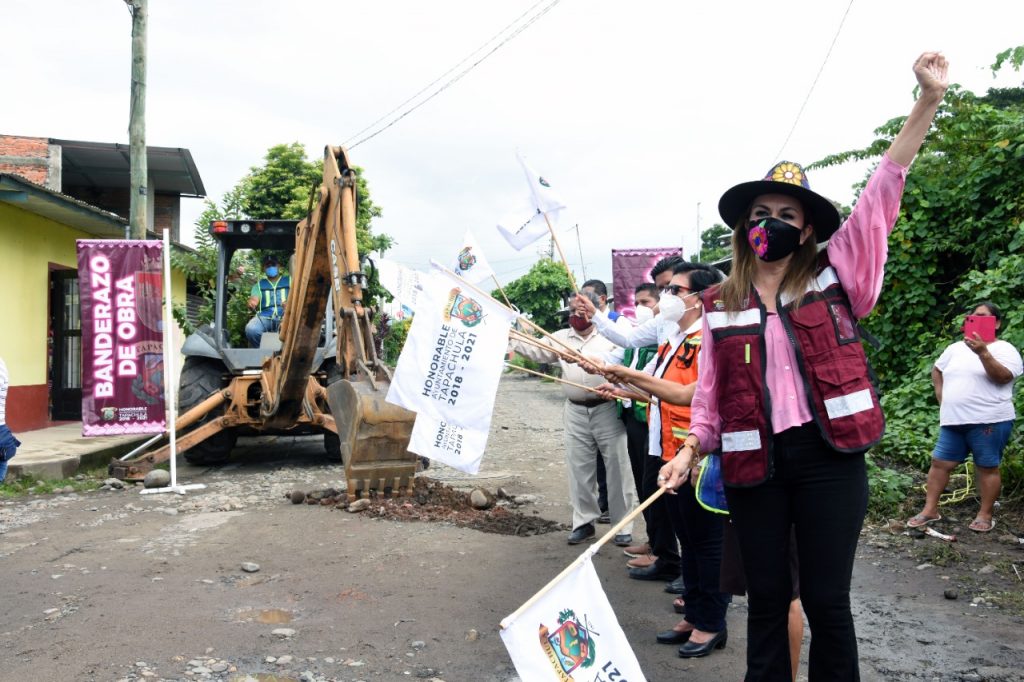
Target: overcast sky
[635, 111]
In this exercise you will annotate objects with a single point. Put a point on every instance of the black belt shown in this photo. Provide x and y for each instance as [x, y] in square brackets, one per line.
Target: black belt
[594, 402]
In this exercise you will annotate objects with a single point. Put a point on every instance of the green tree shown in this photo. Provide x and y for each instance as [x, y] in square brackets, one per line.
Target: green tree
[540, 293]
[959, 239]
[279, 188]
[715, 244]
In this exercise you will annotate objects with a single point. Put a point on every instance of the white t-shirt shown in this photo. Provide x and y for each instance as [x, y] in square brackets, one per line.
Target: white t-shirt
[969, 396]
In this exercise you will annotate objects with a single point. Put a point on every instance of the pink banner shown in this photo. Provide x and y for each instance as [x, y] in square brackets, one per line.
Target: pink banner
[121, 294]
[631, 268]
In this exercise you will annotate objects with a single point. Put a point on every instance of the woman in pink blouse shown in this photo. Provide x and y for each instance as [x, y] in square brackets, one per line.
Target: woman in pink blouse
[784, 393]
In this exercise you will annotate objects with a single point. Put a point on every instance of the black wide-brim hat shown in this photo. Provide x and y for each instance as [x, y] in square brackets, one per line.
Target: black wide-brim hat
[786, 178]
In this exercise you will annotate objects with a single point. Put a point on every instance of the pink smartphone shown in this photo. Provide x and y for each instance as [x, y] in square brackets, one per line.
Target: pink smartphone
[985, 325]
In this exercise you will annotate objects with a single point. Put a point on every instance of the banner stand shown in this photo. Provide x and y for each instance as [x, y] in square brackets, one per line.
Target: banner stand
[170, 390]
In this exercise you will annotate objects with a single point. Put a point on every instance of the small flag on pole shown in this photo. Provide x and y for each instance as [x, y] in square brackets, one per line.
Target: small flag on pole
[470, 263]
[530, 222]
[458, 447]
[403, 283]
[571, 633]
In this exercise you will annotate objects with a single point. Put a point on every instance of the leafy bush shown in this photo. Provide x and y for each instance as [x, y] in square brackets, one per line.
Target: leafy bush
[393, 338]
[887, 490]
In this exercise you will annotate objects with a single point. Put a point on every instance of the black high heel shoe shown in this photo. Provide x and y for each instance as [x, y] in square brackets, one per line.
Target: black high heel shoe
[694, 650]
[673, 636]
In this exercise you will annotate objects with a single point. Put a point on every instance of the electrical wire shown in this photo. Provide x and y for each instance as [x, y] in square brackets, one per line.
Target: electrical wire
[813, 84]
[452, 81]
[438, 79]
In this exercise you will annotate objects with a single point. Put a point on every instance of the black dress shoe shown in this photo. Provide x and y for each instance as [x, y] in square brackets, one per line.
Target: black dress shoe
[656, 571]
[677, 586]
[605, 517]
[673, 637]
[694, 650]
[580, 534]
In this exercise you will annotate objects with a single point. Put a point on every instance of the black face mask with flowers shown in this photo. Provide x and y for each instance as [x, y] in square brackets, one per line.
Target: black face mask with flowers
[772, 239]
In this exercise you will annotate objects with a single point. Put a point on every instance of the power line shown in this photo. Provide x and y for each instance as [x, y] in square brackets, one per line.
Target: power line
[813, 83]
[522, 27]
[438, 79]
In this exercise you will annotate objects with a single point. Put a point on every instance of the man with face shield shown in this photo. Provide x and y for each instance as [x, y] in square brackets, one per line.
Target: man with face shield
[591, 425]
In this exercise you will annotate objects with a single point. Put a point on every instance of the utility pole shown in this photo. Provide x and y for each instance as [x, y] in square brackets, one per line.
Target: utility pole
[138, 206]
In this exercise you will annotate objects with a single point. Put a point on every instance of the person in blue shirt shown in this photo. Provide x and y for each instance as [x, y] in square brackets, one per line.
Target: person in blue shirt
[267, 298]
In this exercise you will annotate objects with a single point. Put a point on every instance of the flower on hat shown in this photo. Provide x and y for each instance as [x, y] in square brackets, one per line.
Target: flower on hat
[758, 238]
[788, 172]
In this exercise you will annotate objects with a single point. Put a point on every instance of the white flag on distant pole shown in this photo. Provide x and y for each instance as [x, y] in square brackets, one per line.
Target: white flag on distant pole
[470, 264]
[455, 446]
[454, 354]
[403, 283]
[571, 633]
[528, 224]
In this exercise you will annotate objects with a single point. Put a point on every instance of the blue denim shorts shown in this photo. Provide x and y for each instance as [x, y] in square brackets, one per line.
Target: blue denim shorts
[985, 442]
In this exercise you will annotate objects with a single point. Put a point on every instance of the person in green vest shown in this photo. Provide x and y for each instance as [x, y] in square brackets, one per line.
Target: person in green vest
[267, 298]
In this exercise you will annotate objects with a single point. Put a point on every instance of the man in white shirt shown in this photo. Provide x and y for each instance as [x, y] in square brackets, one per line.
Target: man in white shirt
[973, 383]
[591, 425]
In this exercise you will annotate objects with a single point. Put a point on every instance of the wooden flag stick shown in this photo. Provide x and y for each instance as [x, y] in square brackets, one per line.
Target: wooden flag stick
[588, 552]
[503, 294]
[539, 343]
[558, 379]
[561, 254]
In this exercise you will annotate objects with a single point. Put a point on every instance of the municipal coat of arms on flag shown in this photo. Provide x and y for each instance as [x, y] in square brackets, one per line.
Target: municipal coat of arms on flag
[571, 634]
[454, 354]
[470, 263]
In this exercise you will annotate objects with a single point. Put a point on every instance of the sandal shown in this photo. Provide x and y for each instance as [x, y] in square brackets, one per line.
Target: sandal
[679, 605]
[922, 520]
[980, 526]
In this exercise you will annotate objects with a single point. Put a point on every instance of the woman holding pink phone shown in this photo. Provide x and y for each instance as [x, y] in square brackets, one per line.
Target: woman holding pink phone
[973, 381]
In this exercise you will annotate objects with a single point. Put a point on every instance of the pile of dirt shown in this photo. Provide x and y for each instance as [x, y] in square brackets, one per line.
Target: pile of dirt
[434, 501]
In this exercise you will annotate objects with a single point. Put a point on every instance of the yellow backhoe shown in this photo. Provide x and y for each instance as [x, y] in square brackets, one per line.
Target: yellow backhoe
[321, 373]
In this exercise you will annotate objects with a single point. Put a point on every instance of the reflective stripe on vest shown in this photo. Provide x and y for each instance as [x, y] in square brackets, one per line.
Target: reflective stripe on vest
[836, 379]
[273, 296]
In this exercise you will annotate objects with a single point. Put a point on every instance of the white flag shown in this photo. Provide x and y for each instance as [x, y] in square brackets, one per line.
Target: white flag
[403, 283]
[571, 633]
[454, 355]
[471, 264]
[528, 224]
[453, 445]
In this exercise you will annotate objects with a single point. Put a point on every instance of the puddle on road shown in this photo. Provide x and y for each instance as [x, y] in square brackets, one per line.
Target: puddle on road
[267, 617]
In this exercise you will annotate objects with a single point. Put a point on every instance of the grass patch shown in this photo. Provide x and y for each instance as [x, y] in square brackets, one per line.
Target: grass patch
[31, 485]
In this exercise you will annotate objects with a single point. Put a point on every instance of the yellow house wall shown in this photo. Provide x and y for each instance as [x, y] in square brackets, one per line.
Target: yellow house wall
[29, 243]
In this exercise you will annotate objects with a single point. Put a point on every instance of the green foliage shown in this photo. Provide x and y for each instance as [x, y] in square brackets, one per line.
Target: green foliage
[520, 361]
[279, 188]
[715, 244]
[540, 293]
[393, 340]
[959, 240]
[887, 490]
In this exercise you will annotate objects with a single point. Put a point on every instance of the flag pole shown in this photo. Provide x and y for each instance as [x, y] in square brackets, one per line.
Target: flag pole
[561, 253]
[170, 392]
[503, 294]
[558, 379]
[587, 553]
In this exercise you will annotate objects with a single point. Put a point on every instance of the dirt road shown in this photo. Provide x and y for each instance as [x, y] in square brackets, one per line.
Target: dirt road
[119, 586]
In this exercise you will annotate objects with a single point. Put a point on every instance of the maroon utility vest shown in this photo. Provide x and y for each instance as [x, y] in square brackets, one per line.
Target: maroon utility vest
[831, 360]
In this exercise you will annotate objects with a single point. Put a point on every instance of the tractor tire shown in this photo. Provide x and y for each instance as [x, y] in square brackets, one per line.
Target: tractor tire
[199, 378]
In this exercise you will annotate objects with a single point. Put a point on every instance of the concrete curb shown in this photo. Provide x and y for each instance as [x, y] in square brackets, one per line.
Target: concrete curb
[65, 466]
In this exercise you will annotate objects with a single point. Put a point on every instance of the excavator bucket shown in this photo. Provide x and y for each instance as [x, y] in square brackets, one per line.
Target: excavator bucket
[374, 437]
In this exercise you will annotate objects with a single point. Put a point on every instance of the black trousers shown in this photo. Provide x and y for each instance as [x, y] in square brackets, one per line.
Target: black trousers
[602, 484]
[660, 531]
[700, 540]
[823, 494]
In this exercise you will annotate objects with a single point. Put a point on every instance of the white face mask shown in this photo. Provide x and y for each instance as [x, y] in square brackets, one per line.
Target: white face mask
[672, 307]
[642, 313]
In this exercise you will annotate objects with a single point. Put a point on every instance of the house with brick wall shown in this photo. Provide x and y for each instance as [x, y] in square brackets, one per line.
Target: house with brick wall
[52, 193]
